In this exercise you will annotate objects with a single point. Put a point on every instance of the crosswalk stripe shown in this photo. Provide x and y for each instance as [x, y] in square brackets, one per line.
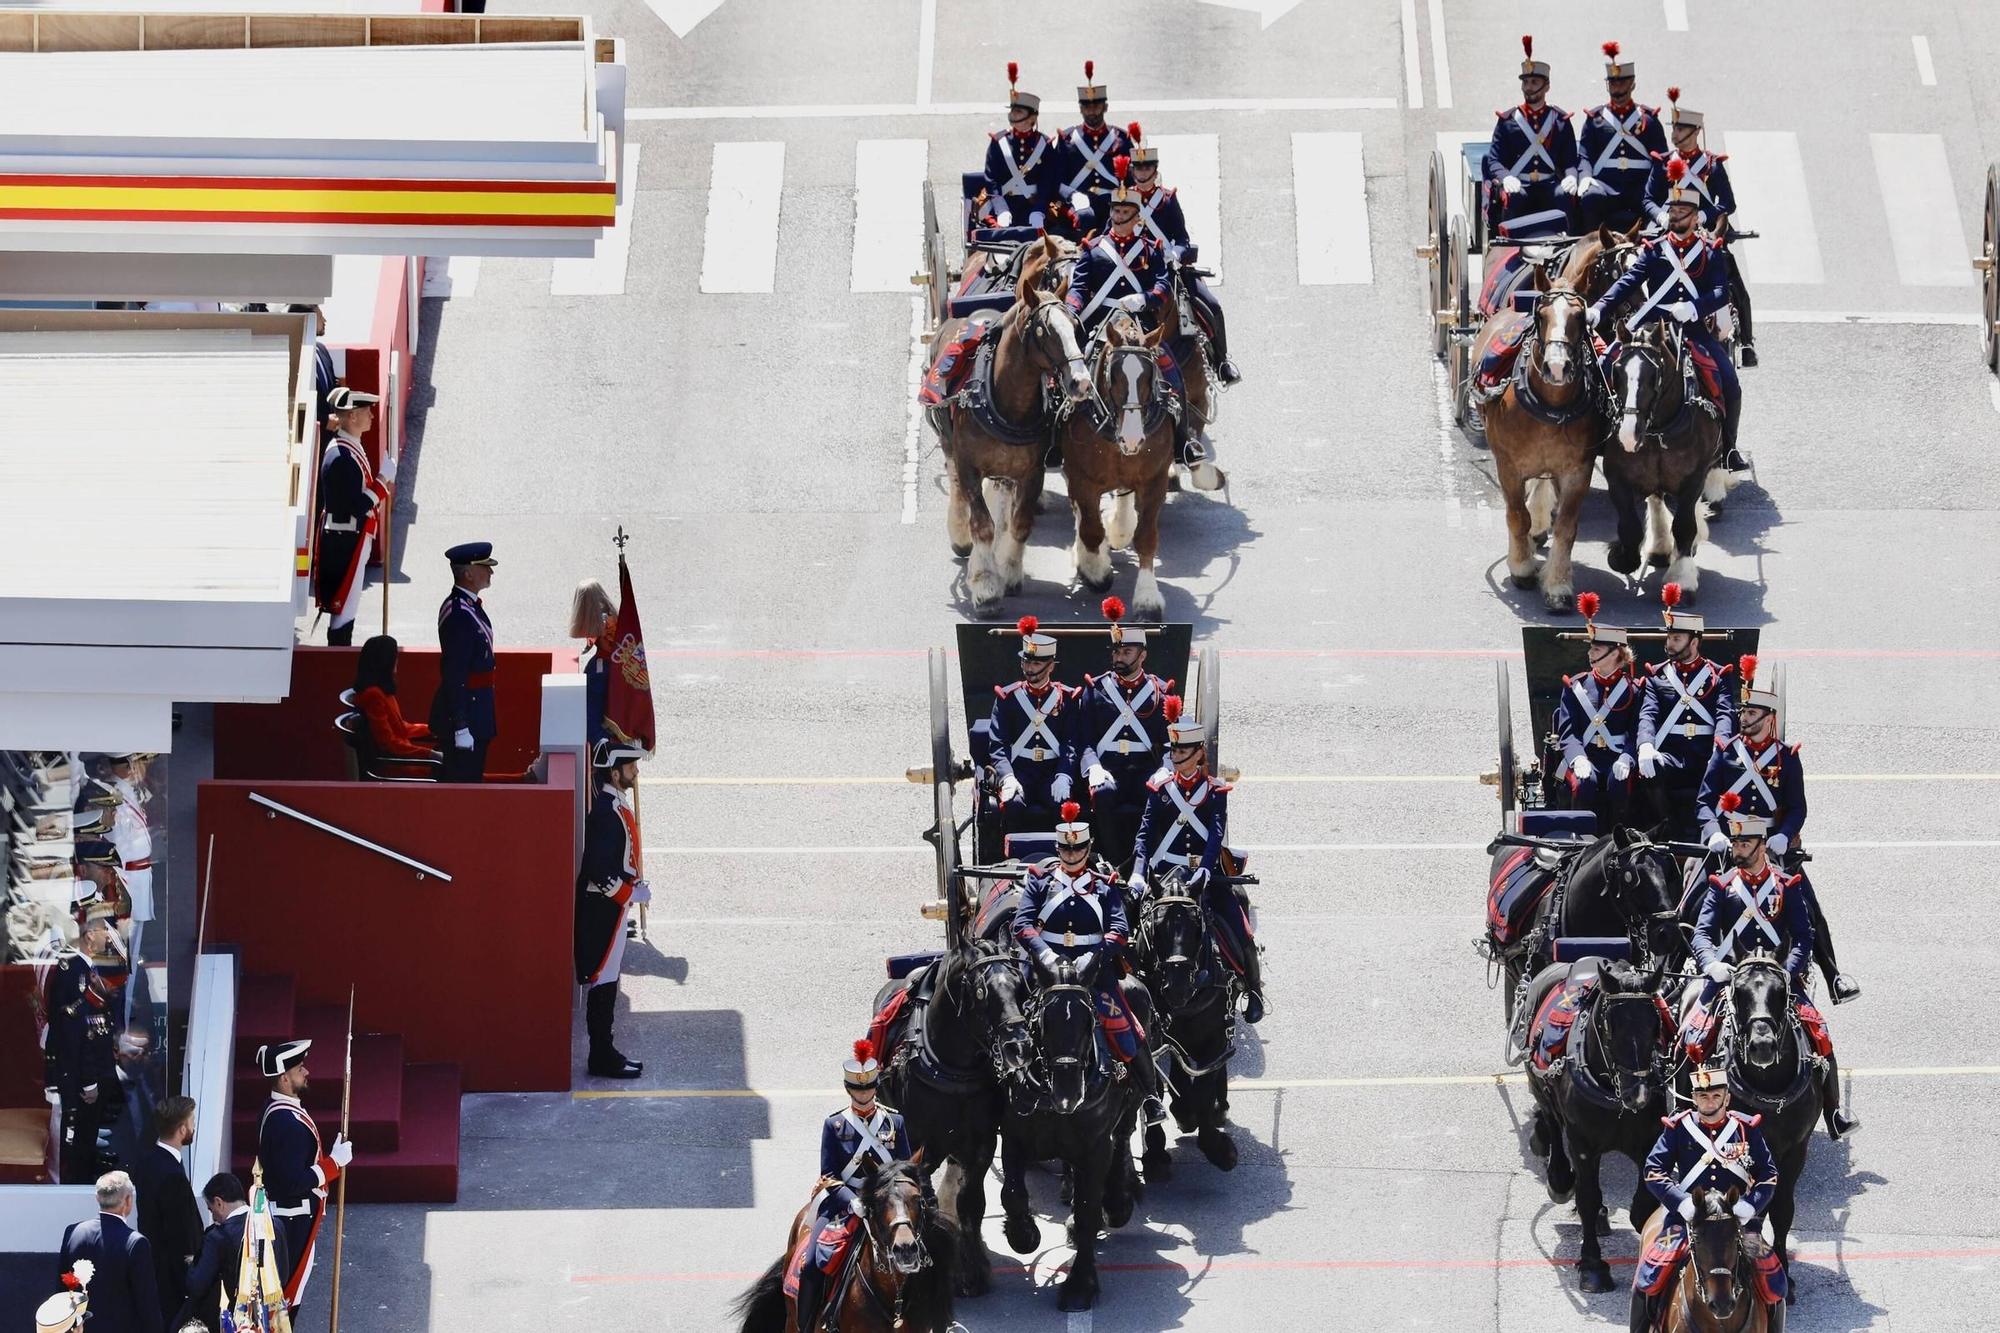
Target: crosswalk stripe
[1192, 164]
[603, 274]
[1330, 195]
[888, 212]
[1769, 178]
[740, 246]
[1922, 205]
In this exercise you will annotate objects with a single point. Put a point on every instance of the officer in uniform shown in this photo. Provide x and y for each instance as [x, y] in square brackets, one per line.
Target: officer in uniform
[1161, 218]
[1033, 733]
[1122, 268]
[609, 882]
[1532, 158]
[1072, 920]
[353, 501]
[855, 1141]
[1596, 717]
[462, 718]
[1085, 152]
[132, 836]
[1122, 736]
[1186, 824]
[1687, 708]
[1757, 907]
[77, 1060]
[1615, 151]
[1022, 167]
[1770, 778]
[298, 1167]
[1709, 179]
[1685, 278]
[1715, 1149]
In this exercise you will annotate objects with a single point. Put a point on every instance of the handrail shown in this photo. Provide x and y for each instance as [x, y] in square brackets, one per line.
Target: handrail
[423, 871]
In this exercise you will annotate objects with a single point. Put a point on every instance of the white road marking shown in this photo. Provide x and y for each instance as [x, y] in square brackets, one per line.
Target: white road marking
[683, 16]
[1993, 389]
[1447, 445]
[1440, 57]
[883, 110]
[888, 212]
[1191, 163]
[1677, 15]
[1413, 70]
[1330, 198]
[1926, 71]
[453, 277]
[1915, 176]
[913, 424]
[1267, 12]
[926, 50]
[1868, 317]
[603, 274]
[740, 248]
[1770, 182]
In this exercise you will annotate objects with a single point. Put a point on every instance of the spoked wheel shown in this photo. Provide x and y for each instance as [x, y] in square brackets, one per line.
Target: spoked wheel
[1503, 691]
[1208, 702]
[945, 833]
[1989, 263]
[1460, 363]
[1437, 239]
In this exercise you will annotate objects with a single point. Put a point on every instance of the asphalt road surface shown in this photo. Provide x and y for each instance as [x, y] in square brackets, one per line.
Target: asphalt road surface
[736, 393]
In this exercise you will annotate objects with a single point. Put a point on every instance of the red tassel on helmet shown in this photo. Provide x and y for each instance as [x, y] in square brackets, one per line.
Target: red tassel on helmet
[72, 1281]
[1587, 603]
[1611, 50]
[1027, 624]
[1671, 594]
[1122, 166]
[1677, 170]
[1747, 664]
[1674, 94]
[1089, 70]
[1731, 802]
[1170, 708]
[1013, 72]
[1134, 130]
[1528, 45]
[864, 1050]
[1114, 610]
[1071, 811]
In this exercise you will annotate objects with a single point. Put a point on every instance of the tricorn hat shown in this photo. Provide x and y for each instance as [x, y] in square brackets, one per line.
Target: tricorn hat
[275, 1059]
[611, 752]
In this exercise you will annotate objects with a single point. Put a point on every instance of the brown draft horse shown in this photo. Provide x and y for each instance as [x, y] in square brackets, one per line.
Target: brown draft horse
[1121, 445]
[1715, 1290]
[899, 1279]
[1038, 338]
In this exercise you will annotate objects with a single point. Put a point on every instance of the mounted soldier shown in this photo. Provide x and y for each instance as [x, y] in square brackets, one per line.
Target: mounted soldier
[1021, 164]
[1085, 152]
[1596, 719]
[1161, 217]
[1122, 736]
[1769, 778]
[1686, 710]
[1756, 907]
[1072, 920]
[1615, 151]
[1186, 825]
[1532, 158]
[1717, 1151]
[1709, 179]
[1033, 731]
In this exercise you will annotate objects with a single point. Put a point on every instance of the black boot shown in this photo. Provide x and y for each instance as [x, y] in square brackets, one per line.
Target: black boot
[1839, 1124]
[605, 1061]
[340, 636]
[1234, 919]
[1226, 371]
[1734, 460]
[812, 1292]
[1145, 1073]
[1642, 1312]
[1840, 987]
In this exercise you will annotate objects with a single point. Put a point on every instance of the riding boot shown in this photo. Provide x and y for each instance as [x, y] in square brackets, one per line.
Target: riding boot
[1839, 1124]
[1145, 1072]
[1840, 987]
[1746, 326]
[1734, 460]
[605, 1061]
[1233, 917]
[812, 1292]
[340, 636]
[1643, 1310]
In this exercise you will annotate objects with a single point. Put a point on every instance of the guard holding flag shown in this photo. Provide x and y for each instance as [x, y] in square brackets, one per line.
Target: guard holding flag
[462, 714]
[608, 883]
[352, 501]
[298, 1168]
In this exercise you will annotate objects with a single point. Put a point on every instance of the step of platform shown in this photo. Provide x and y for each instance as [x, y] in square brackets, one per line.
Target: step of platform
[377, 1106]
[423, 1168]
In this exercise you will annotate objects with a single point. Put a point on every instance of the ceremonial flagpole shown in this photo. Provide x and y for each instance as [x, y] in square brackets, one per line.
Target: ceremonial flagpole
[619, 539]
[340, 1186]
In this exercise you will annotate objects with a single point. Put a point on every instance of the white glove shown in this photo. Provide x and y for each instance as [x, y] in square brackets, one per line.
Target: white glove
[1099, 777]
[1003, 219]
[1778, 843]
[1581, 767]
[1010, 789]
[1567, 185]
[1621, 768]
[387, 471]
[461, 739]
[1686, 1210]
[1718, 972]
[1594, 316]
[1137, 883]
[1744, 1212]
[1718, 841]
[1080, 202]
[342, 1152]
[642, 891]
[1038, 219]
[1725, 323]
[1649, 760]
[1133, 304]
[1683, 311]
[1510, 185]
[1059, 789]
[1592, 185]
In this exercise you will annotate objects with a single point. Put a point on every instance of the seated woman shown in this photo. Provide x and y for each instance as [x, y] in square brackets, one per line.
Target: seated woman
[375, 697]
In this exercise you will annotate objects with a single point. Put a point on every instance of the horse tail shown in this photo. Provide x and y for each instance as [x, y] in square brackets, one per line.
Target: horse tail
[763, 1308]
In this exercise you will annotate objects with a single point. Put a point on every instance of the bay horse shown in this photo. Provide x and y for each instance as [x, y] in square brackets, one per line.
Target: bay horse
[1193, 1007]
[1715, 1290]
[1121, 444]
[1666, 446]
[1605, 1096]
[898, 1278]
[1003, 437]
[948, 1058]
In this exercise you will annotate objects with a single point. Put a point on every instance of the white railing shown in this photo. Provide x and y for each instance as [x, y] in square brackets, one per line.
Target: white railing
[277, 808]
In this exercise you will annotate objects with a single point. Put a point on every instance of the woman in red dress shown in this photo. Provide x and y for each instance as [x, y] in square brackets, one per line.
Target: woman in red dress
[375, 696]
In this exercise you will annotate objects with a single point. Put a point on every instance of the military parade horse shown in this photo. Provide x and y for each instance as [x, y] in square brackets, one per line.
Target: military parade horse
[899, 1279]
[1191, 989]
[1715, 1290]
[1657, 467]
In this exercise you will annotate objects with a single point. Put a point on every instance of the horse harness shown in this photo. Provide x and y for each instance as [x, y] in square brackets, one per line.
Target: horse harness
[977, 396]
[1809, 1061]
[1162, 405]
[1523, 377]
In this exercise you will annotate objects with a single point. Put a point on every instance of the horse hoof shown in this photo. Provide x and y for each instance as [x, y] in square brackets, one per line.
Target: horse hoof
[1024, 1235]
[1559, 602]
[1622, 559]
[1151, 612]
[1207, 477]
[973, 1280]
[1078, 1292]
[1593, 1275]
[961, 552]
[1095, 585]
[1560, 1185]
[1658, 559]
[1526, 580]
[1159, 1165]
[1184, 1116]
[1218, 1148]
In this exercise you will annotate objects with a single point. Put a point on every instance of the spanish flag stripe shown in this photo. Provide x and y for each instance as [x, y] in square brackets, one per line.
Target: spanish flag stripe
[315, 183]
[126, 200]
[356, 219]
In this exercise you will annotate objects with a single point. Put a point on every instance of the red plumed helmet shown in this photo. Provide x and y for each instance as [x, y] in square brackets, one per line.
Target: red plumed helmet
[1671, 594]
[1027, 624]
[1747, 664]
[72, 1281]
[1114, 610]
[1611, 50]
[1122, 165]
[1089, 70]
[1134, 130]
[1674, 94]
[1587, 603]
[1070, 812]
[1528, 45]
[1677, 170]
[1013, 72]
[1731, 802]
[1170, 708]
[864, 1050]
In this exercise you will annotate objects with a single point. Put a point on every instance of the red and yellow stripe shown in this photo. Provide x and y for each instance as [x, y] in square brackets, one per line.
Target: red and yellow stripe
[293, 199]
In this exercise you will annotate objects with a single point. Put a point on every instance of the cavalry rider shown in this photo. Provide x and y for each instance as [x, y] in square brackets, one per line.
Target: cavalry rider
[1021, 165]
[1122, 733]
[1715, 1149]
[1161, 216]
[1686, 279]
[1770, 779]
[1186, 824]
[1758, 907]
[1085, 152]
[1686, 710]
[1615, 151]
[1072, 920]
[854, 1142]
[1709, 179]
[1033, 731]
[1532, 158]
[1596, 718]
[298, 1169]
[609, 884]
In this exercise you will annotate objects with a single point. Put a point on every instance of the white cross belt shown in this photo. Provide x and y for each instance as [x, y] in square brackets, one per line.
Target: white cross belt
[1753, 777]
[1621, 137]
[1711, 1151]
[1127, 721]
[1093, 163]
[1680, 278]
[1753, 905]
[1037, 730]
[1189, 818]
[1597, 732]
[1687, 701]
[1121, 272]
[1017, 172]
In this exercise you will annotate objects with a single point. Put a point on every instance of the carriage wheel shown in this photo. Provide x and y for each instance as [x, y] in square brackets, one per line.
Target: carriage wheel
[1504, 691]
[1475, 205]
[945, 833]
[936, 274]
[1461, 344]
[1208, 702]
[1778, 688]
[1989, 259]
[1437, 235]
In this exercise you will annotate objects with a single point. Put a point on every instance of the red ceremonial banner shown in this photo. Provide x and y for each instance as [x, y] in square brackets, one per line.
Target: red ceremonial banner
[628, 701]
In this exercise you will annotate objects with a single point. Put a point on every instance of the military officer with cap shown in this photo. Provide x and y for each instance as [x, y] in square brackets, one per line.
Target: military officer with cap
[1032, 730]
[462, 716]
[353, 504]
[1161, 217]
[1121, 736]
[609, 883]
[1086, 151]
[79, 1066]
[1596, 717]
[1687, 707]
[298, 1167]
[1615, 151]
[1186, 825]
[854, 1142]
[1073, 922]
[1022, 165]
[1531, 158]
[1716, 1150]
[1707, 178]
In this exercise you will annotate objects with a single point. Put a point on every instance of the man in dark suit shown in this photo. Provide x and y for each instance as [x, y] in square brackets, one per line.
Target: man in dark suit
[168, 1218]
[221, 1257]
[462, 710]
[123, 1295]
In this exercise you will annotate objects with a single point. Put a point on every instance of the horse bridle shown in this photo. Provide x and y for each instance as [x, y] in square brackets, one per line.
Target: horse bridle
[1103, 357]
[1034, 327]
[1638, 936]
[1014, 1033]
[1069, 992]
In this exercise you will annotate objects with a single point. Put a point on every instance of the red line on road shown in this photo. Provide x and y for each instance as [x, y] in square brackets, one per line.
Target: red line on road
[1488, 654]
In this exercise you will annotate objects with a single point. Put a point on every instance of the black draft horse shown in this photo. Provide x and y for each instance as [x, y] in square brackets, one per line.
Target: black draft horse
[1177, 960]
[1657, 463]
